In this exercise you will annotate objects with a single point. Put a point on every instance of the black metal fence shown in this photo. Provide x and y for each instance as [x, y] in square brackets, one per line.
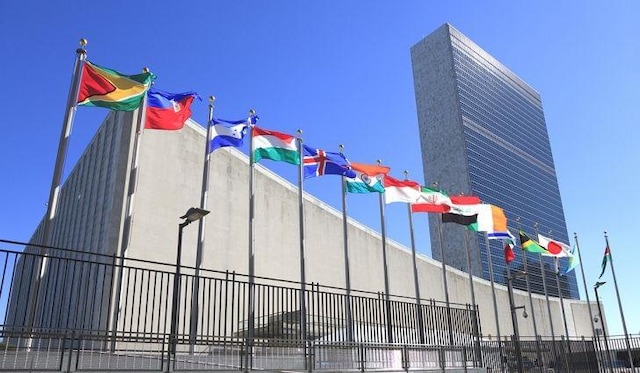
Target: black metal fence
[66, 310]
[57, 300]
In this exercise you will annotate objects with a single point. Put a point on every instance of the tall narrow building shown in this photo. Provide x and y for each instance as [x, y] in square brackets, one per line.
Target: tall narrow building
[483, 132]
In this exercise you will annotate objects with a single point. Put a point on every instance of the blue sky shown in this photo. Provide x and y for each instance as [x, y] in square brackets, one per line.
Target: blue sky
[341, 72]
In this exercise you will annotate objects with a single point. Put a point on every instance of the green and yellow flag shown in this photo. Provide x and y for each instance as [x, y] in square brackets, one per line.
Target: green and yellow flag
[530, 245]
[110, 89]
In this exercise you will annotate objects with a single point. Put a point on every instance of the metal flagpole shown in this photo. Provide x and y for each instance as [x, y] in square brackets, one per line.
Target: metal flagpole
[54, 191]
[303, 280]
[252, 292]
[347, 276]
[195, 295]
[564, 316]
[387, 301]
[533, 314]
[604, 327]
[543, 273]
[495, 301]
[444, 276]
[557, 273]
[128, 222]
[624, 324]
[473, 295]
[584, 282]
[416, 284]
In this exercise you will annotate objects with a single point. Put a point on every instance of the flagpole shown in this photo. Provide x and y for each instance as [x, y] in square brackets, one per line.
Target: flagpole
[387, 300]
[303, 281]
[624, 324]
[543, 273]
[473, 294]
[54, 191]
[347, 276]
[444, 276]
[495, 301]
[604, 328]
[251, 256]
[201, 228]
[416, 283]
[564, 315]
[584, 282]
[128, 219]
[533, 314]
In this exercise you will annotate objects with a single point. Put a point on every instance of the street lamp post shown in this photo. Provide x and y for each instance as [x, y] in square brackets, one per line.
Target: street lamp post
[604, 331]
[514, 318]
[193, 214]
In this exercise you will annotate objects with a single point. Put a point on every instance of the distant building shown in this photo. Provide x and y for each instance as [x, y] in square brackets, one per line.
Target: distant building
[483, 132]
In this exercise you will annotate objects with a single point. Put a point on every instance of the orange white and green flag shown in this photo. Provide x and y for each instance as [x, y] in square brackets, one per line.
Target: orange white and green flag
[368, 178]
[103, 87]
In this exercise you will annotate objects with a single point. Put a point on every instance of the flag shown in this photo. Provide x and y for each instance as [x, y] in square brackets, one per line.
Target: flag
[368, 178]
[274, 145]
[459, 219]
[573, 260]
[493, 221]
[530, 245]
[464, 210]
[554, 248]
[432, 200]
[227, 133]
[317, 162]
[605, 259]
[103, 87]
[509, 255]
[168, 111]
[400, 190]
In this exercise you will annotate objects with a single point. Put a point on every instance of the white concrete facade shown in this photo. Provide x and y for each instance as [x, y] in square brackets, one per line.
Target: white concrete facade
[170, 174]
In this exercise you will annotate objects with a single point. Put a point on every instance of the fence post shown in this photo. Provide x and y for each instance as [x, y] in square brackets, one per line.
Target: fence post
[310, 355]
[361, 356]
[464, 358]
[442, 356]
[70, 351]
[405, 358]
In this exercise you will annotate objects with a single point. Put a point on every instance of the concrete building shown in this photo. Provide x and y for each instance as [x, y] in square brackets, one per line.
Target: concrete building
[483, 132]
[93, 217]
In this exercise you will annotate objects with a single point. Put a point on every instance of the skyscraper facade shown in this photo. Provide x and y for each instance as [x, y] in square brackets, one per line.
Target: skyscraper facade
[483, 132]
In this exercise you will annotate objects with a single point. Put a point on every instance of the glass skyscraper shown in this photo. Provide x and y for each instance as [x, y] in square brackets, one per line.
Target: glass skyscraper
[483, 132]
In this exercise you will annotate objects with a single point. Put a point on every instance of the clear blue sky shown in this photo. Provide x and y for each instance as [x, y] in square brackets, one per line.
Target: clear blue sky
[341, 72]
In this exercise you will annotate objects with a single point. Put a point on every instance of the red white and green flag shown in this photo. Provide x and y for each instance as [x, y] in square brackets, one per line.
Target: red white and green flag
[273, 145]
[605, 259]
[432, 200]
[509, 255]
[107, 88]
[400, 190]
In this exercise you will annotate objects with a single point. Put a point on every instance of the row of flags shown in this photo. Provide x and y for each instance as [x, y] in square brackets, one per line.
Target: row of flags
[107, 88]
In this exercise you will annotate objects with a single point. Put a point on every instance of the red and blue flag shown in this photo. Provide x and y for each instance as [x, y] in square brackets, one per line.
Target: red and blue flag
[317, 162]
[168, 111]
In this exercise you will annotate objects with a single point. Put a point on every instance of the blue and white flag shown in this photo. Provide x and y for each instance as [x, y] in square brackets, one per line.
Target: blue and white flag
[317, 162]
[227, 133]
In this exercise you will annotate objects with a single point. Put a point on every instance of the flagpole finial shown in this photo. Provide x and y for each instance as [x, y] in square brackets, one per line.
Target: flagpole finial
[341, 147]
[379, 161]
[212, 99]
[145, 69]
[83, 43]
[252, 112]
[535, 225]
[406, 174]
